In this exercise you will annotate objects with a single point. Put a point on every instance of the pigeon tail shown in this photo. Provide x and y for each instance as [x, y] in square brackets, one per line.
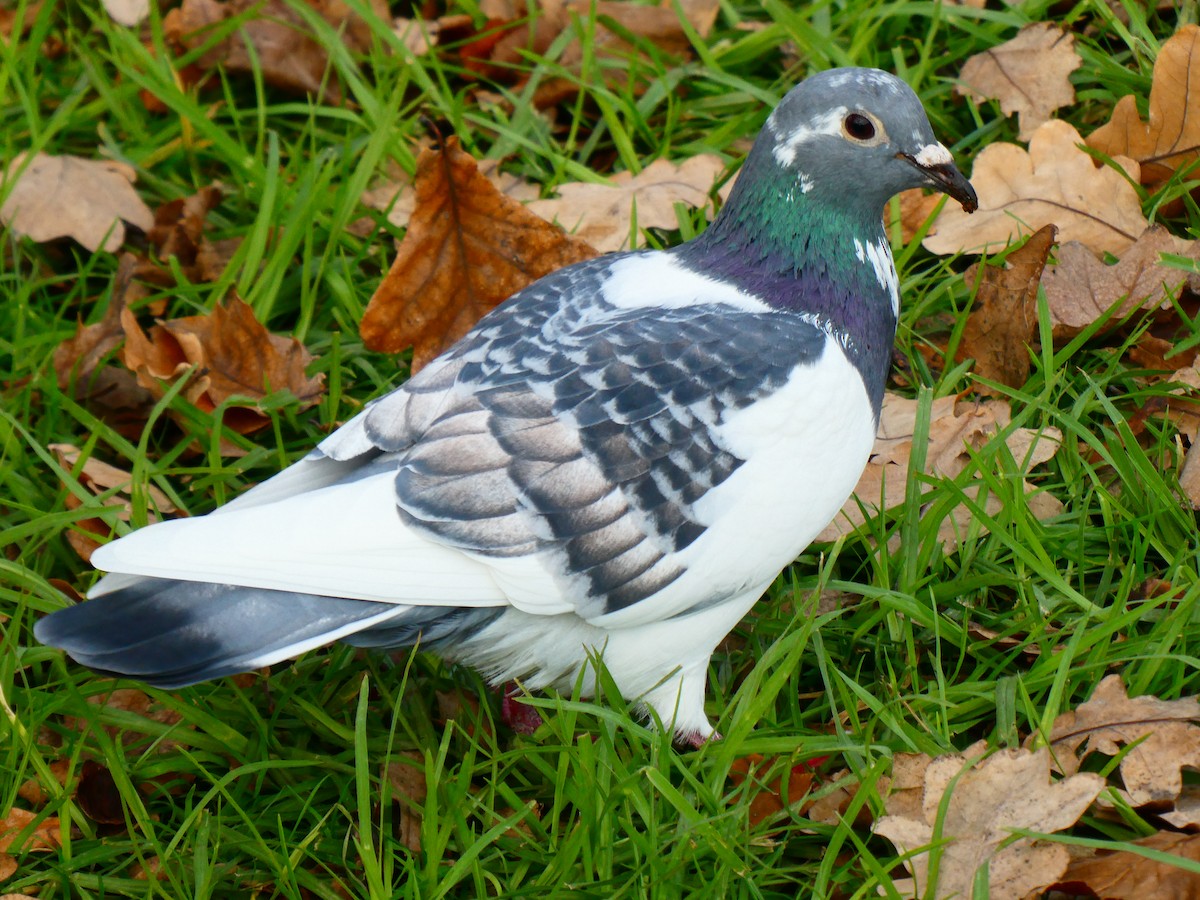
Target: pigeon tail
[171, 633]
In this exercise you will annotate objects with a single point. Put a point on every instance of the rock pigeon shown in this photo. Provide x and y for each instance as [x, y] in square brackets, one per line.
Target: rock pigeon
[617, 460]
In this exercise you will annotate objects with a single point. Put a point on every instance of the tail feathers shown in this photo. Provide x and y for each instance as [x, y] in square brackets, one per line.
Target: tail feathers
[172, 633]
[431, 626]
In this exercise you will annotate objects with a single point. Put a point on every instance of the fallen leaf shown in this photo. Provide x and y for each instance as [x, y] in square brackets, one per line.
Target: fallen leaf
[43, 835]
[272, 38]
[110, 392]
[467, 248]
[603, 214]
[1003, 324]
[1027, 74]
[66, 196]
[1170, 138]
[178, 233]
[1080, 288]
[954, 428]
[1008, 790]
[409, 789]
[1055, 183]
[98, 796]
[32, 792]
[226, 355]
[915, 208]
[399, 197]
[503, 50]
[1159, 738]
[10, 24]
[1186, 813]
[1126, 875]
[768, 798]
[418, 36]
[1189, 474]
[127, 12]
[101, 478]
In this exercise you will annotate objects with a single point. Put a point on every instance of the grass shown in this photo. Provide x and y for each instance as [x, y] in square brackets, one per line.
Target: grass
[249, 787]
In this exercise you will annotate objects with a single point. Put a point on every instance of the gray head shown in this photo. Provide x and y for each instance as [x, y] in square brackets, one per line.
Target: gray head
[856, 136]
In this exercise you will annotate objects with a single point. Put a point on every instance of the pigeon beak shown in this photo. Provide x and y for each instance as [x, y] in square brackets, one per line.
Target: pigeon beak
[942, 174]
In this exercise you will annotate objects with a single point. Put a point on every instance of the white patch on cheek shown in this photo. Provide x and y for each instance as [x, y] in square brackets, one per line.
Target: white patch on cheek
[880, 257]
[806, 183]
[933, 155]
[828, 123]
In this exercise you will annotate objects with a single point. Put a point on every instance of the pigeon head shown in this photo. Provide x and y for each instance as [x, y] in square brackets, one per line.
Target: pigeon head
[857, 137]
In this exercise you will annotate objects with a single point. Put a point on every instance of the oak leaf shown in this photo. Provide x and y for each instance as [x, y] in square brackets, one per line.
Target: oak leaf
[110, 392]
[769, 798]
[101, 478]
[603, 214]
[502, 53]
[468, 247]
[955, 428]
[1170, 138]
[272, 38]
[1027, 74]
[23, 826]
[988, 800]
[1054, 183]
[915, 207]
[1159, 738]
[66, 196]
[1080, 288]
[999, 330]
[1128, 875]
[398, 198]
[178, 233]
[227, 354]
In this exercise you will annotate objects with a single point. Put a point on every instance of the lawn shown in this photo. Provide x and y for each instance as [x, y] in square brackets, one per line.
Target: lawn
[352, 774]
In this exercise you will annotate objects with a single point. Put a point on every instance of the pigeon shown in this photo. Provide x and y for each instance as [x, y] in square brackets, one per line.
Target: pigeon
[616, 461]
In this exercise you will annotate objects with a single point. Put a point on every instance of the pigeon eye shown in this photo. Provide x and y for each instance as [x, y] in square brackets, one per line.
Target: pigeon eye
[859, 127]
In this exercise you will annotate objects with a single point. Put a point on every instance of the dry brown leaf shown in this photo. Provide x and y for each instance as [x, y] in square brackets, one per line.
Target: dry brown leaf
[1003, 323]
[915, 208]
[769, 798]
[399, 197]
[953, 428]
[1186, 813]
[66, 196]
[1009, 790]
[603, 214]
[1189, 474]
[1170, 138]
[285, 50]
[468, 247]
[108, 391]
[1028, 74]
[100, 477]
[502, 52]
[409, 789]
[227, 354]
[1054, 183]
[10, 24]
[1125, 875]
[1111, 720]
[32, 792]
[1080, 288]
[127, 12]
[178, 233]
[8, 867]
[43, 835]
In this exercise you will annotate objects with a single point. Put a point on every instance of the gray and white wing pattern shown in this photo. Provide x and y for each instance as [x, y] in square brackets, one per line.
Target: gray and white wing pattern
[588, 435]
